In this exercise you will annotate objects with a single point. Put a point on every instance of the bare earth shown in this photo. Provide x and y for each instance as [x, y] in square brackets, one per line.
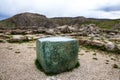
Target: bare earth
[17, 63]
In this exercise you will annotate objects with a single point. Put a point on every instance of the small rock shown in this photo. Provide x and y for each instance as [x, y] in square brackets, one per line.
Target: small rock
[17, 52]
[97, 43]
[52, 78]
[112, 33]
[118, 46]
[9, 48]
[91, 35]
[109, 46]
[2, 41]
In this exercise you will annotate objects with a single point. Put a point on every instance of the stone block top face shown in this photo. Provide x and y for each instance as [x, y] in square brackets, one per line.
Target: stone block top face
[56, 39]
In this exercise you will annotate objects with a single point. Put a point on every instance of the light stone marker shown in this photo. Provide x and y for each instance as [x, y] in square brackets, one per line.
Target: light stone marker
[57, 54]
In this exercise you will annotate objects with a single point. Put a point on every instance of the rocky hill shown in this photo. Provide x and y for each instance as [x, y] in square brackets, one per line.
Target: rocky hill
[33, 20]
[28, 20]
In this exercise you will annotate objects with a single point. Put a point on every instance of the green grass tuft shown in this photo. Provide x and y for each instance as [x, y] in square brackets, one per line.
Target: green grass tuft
[115, 66]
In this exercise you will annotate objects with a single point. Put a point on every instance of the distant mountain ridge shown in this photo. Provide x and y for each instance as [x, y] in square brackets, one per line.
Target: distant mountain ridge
[37, 20]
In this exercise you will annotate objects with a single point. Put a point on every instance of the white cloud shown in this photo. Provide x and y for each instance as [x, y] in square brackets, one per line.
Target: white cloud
[54, 8]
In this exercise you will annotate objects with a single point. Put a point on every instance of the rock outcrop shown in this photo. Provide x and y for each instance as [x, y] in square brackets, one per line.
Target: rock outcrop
[29, 20]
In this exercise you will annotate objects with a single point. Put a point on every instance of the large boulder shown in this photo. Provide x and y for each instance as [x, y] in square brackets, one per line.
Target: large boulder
[18, 38]
[64, 29]
[50, 31]
[57, 54]
[97, 43]
[67, 29]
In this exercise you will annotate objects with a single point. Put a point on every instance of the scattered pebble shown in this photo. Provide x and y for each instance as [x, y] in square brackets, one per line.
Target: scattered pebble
[113, 59]
[17, 52]
[95, 58]
[94, 54]
[52, 78]
[9, 48]
[81, 54]
[107, 60]
[106, 63]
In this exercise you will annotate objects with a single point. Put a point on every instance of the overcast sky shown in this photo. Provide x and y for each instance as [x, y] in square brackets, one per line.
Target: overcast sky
[62, 8]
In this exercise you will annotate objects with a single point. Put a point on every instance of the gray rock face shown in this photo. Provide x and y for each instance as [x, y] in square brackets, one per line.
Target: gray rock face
[57, 54]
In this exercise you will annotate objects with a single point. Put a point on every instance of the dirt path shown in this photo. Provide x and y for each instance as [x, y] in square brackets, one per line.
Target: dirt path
[17, 63]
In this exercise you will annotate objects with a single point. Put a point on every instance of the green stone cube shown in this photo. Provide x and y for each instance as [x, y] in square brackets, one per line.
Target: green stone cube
[57, 54]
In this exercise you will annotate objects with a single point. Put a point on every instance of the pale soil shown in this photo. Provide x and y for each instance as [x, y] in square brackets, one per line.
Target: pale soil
[17, 63]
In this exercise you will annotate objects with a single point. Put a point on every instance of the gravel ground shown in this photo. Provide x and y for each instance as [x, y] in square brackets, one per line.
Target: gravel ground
[17, 63]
